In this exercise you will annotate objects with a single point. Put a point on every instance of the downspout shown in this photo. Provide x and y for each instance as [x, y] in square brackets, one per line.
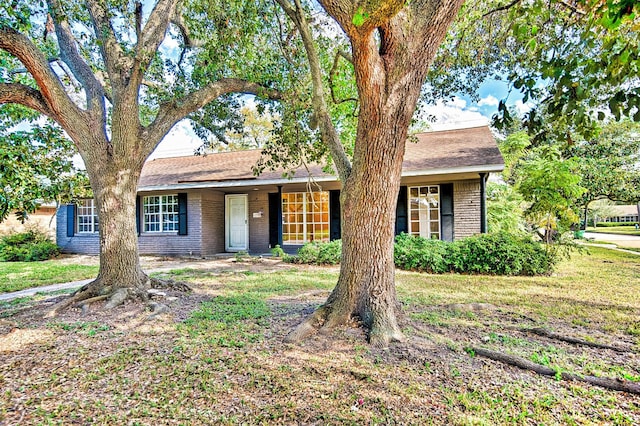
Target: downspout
[483, 202]
[279, 210]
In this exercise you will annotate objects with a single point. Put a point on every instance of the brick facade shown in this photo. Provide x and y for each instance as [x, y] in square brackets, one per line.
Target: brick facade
[466, 208]
[206, 224]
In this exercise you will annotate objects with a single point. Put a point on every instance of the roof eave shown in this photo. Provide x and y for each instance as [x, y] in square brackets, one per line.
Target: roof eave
[489, 168]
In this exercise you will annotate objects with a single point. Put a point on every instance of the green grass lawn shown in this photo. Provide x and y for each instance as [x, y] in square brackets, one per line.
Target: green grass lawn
[15, 276]
[219, 356]
[622, 230]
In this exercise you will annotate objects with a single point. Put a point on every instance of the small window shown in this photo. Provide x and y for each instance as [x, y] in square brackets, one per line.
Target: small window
[87, 217]
[424, 211]
[160, 213]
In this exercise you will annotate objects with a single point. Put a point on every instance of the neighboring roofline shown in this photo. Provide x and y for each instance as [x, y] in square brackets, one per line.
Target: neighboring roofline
[489, 168]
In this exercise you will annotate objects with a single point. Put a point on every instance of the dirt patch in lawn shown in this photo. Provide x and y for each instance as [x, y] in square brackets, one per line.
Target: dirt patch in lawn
[197, 365]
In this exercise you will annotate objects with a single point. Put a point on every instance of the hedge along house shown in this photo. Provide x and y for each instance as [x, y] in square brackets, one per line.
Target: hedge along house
[205, 205]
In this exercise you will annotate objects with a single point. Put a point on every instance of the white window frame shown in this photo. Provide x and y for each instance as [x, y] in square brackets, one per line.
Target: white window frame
[87, 217]
[160, 216]
[306, 227]
[432, 205]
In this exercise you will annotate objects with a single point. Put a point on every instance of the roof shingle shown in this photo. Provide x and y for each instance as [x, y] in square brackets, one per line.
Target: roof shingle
[451, 149]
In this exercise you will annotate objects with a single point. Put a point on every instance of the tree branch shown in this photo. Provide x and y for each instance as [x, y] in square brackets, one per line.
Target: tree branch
[332, 73]
[115, 60]
[501, 8]
[321, 111]
[52, 92]
[69, 54]
[169, 113]
[17, 93]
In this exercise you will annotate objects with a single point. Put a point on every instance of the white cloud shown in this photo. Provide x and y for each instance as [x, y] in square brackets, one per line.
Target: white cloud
[489, 101]
[522, 107]
[180, 141]
[454, 115]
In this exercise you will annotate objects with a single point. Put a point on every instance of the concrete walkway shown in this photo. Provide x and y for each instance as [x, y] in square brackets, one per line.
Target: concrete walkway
[617, 239]
[45, 289]
[150, 264]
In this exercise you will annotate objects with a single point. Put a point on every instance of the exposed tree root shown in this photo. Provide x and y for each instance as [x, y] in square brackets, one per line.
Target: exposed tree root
[546, 333]
[169, 284]
[157, 309]
[324, 319]
[605, 382]
[96, 291]
[309, 326]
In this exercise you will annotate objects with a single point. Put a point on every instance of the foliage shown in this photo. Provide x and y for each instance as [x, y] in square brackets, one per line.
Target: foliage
[505, 207]
[277, 251]
[36, 167]
[551, 186]
[502, 254]
[495, 254]
[29, 246]
[609, 164]
[324, 253]
[421, 254]
[613, 224]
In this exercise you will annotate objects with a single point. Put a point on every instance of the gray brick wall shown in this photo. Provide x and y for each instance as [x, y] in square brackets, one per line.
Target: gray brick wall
[79, 243]
[259, 226]
[212, 213]
[172, 244]
[466, 208]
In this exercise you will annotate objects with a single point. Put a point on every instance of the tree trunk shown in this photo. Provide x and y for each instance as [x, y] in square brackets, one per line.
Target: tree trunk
[366, 285]
[119, 260]
[114, 180]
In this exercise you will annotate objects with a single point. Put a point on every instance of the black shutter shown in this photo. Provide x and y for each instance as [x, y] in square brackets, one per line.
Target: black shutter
[446, 211]
[274, 216]
[335, 229]
[401, 212]
[71, 220]
[138, 207]
[182, 214]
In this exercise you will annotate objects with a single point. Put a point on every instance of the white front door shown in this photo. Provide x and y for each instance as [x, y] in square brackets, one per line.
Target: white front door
[236, 223]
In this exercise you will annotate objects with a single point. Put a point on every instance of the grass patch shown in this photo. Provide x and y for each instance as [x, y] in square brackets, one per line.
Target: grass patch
[622, 230]
[15, 276]
[226, 362]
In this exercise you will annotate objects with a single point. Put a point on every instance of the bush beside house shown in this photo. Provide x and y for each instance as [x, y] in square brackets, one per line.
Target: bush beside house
[493, 254]
[29, 246]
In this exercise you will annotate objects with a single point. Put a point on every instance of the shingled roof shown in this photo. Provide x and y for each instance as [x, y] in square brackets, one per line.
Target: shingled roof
[450, 151]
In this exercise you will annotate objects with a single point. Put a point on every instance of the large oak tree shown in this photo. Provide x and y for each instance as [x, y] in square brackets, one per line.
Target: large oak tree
[117, 112]
[392, 45]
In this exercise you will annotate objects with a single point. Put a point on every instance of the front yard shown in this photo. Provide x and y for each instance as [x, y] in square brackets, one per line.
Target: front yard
[218, 356]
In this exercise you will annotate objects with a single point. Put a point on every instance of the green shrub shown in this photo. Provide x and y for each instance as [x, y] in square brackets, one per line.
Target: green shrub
[29, 246]
[326, 253]
[420, 254]
[495, 254]
[614, 224]
[502, 254]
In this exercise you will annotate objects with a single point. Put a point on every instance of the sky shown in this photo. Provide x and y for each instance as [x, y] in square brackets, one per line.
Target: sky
[461, 112]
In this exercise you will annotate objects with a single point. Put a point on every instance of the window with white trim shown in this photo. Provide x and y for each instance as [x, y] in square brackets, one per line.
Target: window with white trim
[424, 211]
[86, 216]
[305, 217]
[160, 213]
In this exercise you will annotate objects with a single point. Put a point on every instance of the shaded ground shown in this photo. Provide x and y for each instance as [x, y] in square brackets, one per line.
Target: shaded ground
[224, 361]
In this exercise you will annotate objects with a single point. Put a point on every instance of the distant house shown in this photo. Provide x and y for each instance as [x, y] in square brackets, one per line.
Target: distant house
[621, 214]
[41, 219]
[204, 205]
